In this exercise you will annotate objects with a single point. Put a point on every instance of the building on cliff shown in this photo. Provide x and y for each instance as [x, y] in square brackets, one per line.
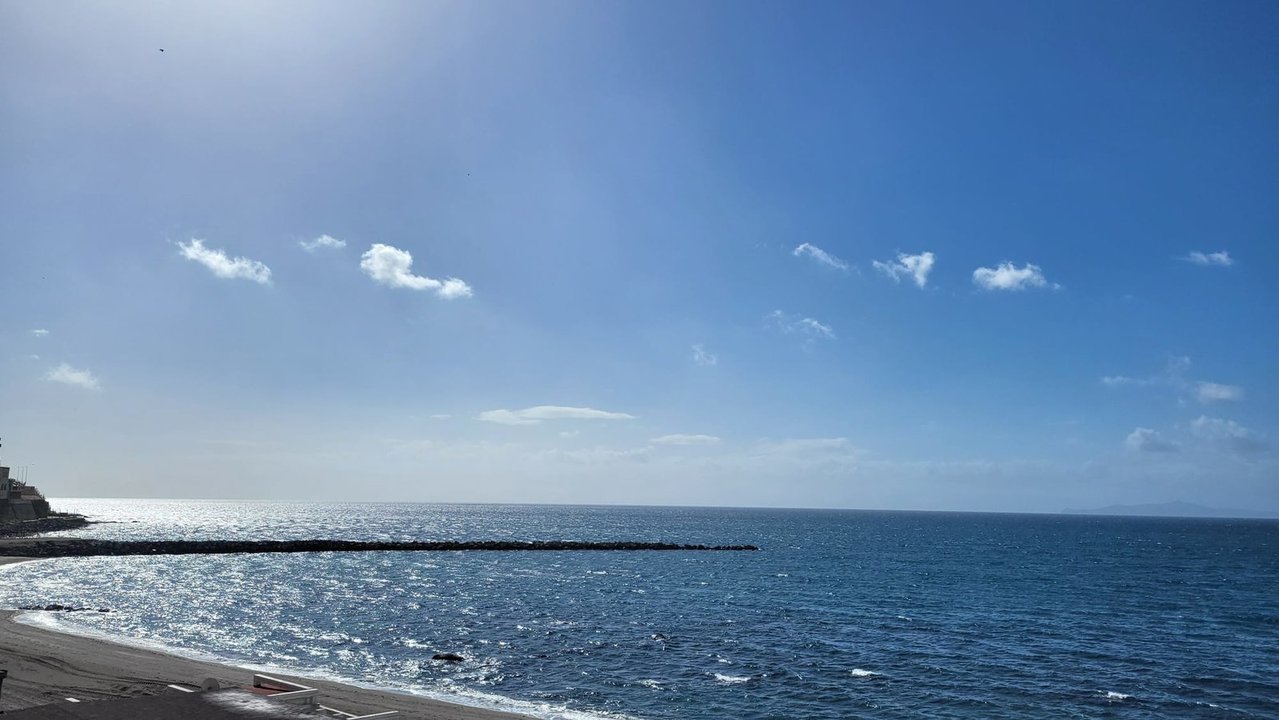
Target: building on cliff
[20, 501]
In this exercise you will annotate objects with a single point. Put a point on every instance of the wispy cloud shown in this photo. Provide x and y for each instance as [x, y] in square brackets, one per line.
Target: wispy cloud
[1217, 259]
[820, 256]
[704, 358]
[599, 455]
[39, 332]
[794, 324]
[807, 445]
[68, 375]
[915, 267]
[1230, 434]
[324, 241]
[225, 267]
[1174, 376]
[681, 439]
[1149, 441]
[392, 267]
[1208, 392]
[535, 415]
[1010, 277]
[1115, 381]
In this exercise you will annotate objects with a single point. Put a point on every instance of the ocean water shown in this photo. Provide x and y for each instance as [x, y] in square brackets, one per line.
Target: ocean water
[841, 614]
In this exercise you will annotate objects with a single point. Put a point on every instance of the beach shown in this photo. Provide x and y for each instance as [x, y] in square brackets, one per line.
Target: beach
[49, 667]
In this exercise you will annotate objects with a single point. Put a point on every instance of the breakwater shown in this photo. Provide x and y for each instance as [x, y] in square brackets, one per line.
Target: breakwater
[84, 547]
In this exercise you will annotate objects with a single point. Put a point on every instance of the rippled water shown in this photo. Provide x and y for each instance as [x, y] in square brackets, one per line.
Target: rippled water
[841, 614]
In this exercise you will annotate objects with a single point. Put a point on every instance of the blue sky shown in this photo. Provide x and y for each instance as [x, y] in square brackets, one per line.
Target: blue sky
[978, 256]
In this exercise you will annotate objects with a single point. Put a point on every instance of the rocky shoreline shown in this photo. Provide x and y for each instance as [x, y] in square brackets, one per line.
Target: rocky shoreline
[53, 523]
[86, 547]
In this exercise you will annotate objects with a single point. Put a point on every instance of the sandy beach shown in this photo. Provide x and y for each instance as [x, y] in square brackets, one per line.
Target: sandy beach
[48, 667]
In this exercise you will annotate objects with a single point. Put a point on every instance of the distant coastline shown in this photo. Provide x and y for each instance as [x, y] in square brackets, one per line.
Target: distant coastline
[1174, 509]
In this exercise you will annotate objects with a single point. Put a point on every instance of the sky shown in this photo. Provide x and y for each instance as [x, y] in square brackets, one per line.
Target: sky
[997, 256]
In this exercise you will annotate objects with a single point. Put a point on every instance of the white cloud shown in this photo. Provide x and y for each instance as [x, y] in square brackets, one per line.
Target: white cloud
[1122, 380]
[34, 357]
[1217, 259]
[704, 358]
[1234, 436]
[324, 241]
[39, 332]
[1174, 376]
[535, 415]
[68, 375]
[599, 455]
[681, 439]
[570, 434]
[1147, 440]
[797, 325]
[1010, 277]
[224, 267]
[808, 445]
[441, 416]
[916, 267]
[392, 267]
[1208, 392]
[820, 256]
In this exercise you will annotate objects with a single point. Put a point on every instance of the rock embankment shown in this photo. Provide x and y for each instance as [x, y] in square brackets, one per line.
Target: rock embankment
[86, 547]
[51, 523]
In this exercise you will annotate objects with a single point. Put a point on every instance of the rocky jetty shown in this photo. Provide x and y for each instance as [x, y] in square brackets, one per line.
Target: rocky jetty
[52, 523]
[86, 547]
[59, 607]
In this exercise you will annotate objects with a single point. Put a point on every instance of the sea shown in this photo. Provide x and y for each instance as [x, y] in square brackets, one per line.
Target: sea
[840, 614]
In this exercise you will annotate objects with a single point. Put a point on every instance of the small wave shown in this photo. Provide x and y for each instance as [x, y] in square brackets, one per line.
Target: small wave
[649, 683]
[783, 574]
[731, 679]
[1116, 696]
[858, 672]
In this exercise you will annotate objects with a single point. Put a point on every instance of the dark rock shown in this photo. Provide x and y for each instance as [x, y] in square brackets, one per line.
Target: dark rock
[52, 523]
[59, 607]
[84, 547]
[448, 657]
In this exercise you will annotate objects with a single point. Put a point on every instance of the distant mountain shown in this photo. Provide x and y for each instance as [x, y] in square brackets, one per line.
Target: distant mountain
[1173, 509]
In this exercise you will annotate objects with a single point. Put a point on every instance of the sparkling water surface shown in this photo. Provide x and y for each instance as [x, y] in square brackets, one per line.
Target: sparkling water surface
[842, 614]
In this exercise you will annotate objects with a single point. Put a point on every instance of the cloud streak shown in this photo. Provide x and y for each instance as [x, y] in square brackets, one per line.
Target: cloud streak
[324, 241]
[1174, 376]
[1146, 440]
[1011, 278]
[682, 439]
[67, 375]
[537, 414]
[393, 267]
[1208, 392]
[1230, 434]
[704, 358]
[227, 268]
[915, 267]
[795, 325]
[40, 332]
[820, 256]
[1217, 259]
